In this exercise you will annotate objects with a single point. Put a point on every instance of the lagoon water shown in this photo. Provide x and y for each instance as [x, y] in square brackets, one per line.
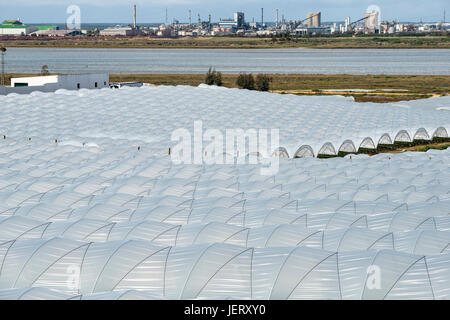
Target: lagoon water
[307, 61]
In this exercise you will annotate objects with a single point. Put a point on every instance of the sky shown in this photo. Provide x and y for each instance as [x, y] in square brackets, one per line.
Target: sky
[120, 11]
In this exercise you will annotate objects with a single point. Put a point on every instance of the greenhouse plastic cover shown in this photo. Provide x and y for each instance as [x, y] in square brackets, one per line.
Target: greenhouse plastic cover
[84, 214]
[149, 115]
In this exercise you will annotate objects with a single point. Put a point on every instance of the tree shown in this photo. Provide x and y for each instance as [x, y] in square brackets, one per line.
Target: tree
[209, 79]
[263, 82]
[213, 78]
[44, 70]
[245, 81]
[218, 79]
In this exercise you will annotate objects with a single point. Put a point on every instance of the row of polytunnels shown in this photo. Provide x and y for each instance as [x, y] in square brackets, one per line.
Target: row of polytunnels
[416, 235]
[220, 271]
[368, 146]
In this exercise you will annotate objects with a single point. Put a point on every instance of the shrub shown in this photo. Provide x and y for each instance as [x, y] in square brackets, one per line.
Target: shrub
[218, 79]
[213, 78]
[44, 70]
[209, 79]
[263, 82]
[245, 81]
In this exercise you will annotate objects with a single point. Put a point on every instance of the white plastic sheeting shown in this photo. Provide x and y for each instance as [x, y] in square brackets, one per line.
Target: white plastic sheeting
[84, 214]
[161, 231]
[424, 240]
[218, 271]
[147, 116]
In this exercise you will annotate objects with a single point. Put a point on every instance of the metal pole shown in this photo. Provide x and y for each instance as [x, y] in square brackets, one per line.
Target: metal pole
[3, 50]
[277, 19]
[134, 16]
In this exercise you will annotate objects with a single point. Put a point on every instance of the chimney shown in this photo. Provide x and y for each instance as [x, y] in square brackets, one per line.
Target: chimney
[262, 17]
[277, 18]
[135, 16]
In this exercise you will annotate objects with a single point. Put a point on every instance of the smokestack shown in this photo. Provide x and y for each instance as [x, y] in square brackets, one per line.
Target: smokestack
[262, 17]
[135, 16]
[277, 18]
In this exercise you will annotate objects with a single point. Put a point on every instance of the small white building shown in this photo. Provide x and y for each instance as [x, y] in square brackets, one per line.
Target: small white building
[56, 82]
[119, 31]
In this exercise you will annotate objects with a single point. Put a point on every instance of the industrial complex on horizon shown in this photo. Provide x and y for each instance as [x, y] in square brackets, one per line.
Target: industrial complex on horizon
[369, 23]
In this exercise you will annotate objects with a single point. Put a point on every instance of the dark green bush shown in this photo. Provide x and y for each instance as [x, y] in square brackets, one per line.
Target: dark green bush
[218, 79]
[213, 78]
[263, 82]
[44, 70]
[245, 81]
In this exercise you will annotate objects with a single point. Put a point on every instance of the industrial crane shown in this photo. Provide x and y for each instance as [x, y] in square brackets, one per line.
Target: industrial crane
[362, 19]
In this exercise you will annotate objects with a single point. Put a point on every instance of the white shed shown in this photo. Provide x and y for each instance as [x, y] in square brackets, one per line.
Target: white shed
[69, 81]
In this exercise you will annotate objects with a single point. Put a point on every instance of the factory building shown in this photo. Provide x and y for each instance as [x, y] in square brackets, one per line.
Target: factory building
[233, 24]
[239, 17]
[312, 30]
[119, 31]
[15, 28]
[371, 21]
[228, 24]
[127, 31]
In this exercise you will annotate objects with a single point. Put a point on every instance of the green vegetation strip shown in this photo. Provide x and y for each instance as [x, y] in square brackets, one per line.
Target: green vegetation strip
[418, 86]
[238, 42]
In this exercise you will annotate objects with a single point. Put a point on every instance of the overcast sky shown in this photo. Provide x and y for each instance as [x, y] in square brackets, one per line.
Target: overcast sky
[120, 11]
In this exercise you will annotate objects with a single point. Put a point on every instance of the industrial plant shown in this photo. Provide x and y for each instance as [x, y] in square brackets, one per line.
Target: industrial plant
[311, 24]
